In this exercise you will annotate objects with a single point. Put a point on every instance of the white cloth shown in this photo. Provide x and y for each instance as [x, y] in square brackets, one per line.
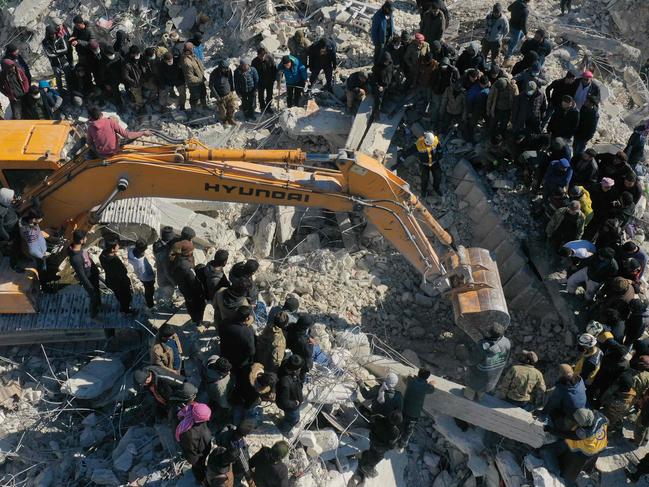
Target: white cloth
[583, 249]
[141, 266]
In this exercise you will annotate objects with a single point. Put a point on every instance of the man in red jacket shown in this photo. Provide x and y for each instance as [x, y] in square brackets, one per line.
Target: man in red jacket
[103, 132]
[14, 79]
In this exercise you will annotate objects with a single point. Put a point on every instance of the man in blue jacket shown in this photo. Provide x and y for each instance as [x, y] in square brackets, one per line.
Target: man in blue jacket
[382, 29]
[246, 81]
[295, 75]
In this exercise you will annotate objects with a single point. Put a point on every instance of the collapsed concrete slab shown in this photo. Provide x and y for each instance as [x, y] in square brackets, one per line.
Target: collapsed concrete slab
[28, 12]
[95, 378]
[490, 413]
[616, 52]
[323, 122]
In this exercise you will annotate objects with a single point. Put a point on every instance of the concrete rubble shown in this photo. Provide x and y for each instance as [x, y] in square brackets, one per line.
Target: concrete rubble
[72, 409]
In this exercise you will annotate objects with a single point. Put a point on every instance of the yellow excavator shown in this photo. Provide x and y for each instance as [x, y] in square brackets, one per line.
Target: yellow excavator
[45, 162]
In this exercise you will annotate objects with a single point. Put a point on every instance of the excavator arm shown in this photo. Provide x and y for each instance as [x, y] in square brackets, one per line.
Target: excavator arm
[76, 194]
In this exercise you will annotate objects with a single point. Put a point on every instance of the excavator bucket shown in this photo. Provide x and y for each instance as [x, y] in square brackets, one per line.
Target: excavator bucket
[476, 292]
[18, 291]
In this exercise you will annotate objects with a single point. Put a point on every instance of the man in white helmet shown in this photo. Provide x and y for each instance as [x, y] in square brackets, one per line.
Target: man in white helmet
[590, 359]
[426, 149]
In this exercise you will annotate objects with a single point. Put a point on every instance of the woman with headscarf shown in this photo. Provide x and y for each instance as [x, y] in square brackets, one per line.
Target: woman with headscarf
[195, 437]
[388, 398]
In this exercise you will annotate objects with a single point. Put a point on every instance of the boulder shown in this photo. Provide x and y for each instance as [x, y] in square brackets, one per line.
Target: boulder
[96, 377]
[27, 12]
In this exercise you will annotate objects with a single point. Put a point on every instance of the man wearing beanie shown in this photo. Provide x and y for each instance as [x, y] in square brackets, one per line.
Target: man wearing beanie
[298, 339]
[161, 250]
[183, 274]
[167, 351]
[219, 385]
[523, 384]
[246, 81]
[289, 392]
[212, 275]
[267, 467]
[569, 395]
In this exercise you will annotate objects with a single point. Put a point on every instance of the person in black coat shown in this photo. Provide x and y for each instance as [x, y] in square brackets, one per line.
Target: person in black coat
[298, 340]
[85, 269]
[588, 120]
[212, 276]
[555, 92]
[584, 169]
[440, 50]
[471, 58]
[81, 36]
[538, 44]
[183, 274]
[195, 437]
[565, 120]
[384, 436]
[111, 75]
[527, 62]
[520, 12]
[322, 57]
[266, 68]
[289, 392]
[116, 274]
[614, 166]
[267, 467]
[381, 80]
[238, 340]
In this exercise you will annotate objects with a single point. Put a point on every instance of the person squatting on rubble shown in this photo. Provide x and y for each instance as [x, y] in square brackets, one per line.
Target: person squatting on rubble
[523, 384]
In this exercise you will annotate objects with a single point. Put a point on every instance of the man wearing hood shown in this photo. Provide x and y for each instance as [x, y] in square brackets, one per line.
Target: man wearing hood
[486, 360]
[298, 47]
[133, 76]
[557, 177]
[500, 103]
[381, 81]
[219, 386]
[517, 24]
[14, 79]
[56, 49]
[212, 275]
[290, 307]
[496, 28]
[238, 341]
[271, 343]
[388, 398]
[85, 270]
[635, 146]
[555, 92]
[194, 73]
[470, 58]
[432, 23]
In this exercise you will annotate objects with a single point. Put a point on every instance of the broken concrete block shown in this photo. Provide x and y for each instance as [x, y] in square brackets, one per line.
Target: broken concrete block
[323, 122]
[28, 12]
[98, 376]
[287, 219]
[310, 244]
[355, 341]
[264, 236]
[270, 43]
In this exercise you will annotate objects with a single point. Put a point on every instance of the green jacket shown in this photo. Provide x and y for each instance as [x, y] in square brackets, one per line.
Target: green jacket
[523, 383]
[557, 218]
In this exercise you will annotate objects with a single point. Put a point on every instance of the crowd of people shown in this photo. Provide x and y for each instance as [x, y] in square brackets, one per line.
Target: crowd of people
[544, 127]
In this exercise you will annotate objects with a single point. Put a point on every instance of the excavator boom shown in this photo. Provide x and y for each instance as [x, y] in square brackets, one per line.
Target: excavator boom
[75, 195]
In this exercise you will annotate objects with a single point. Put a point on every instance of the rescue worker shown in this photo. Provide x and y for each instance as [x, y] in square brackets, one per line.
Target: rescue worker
[523, 384]
[355, 89]
[580, 448]
[85, 270]
[167, 351]
[195, 437]
[417, 388]
[487, 360]
[582, 196]
[590, 358]
[388, 398]
[428, 155]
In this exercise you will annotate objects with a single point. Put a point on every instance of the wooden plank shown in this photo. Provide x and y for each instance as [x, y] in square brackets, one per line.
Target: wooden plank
[490, 413]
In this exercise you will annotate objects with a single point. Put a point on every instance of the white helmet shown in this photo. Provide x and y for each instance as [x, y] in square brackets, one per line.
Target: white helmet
[594, 328]
[429, 138]
[587, 340]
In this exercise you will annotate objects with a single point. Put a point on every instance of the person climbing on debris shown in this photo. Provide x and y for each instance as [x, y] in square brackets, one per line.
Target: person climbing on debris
[417, 388]
[384, 436]
[523, 384]
[167, 350]
[85, 270]
[168, 390]
[428, 152]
